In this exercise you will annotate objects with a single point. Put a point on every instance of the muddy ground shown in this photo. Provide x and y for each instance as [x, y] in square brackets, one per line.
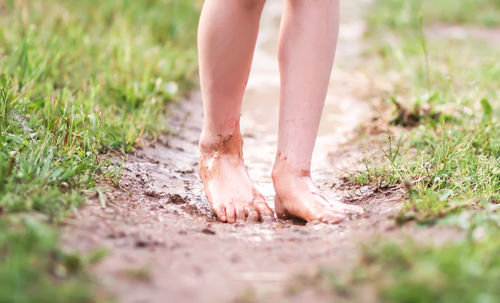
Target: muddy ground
[164, 244]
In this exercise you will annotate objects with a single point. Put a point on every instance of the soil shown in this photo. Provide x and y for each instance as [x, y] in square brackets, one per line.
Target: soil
[164, 243]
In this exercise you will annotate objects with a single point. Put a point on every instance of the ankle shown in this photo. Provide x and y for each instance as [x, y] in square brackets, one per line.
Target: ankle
[221, 144]
[283, 169]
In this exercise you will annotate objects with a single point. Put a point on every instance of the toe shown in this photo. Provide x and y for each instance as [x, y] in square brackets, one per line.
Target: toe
[230, 214]
[240, 215]
[220, 212]
[265, 213]
[252, 214]
[330, 217]
[344, 208]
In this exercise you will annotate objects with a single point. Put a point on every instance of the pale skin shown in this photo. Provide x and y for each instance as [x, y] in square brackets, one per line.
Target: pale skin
[226, 40]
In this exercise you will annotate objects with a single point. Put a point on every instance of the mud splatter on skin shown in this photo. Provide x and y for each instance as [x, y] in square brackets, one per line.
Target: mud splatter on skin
[227, 186]
[305, 173]
[282, 159]
[230, 146]
[225, 145]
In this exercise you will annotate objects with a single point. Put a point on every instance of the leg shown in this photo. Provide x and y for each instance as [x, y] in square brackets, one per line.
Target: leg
[226, 40]
[307, 45]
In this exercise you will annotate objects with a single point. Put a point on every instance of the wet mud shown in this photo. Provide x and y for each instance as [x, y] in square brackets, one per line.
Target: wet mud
[158, 223]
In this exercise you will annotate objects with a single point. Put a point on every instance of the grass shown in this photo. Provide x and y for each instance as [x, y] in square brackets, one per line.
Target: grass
[451, 157]
[396, 14]
[462, 271]
[77, 79]
[443, 149]
[466, 271]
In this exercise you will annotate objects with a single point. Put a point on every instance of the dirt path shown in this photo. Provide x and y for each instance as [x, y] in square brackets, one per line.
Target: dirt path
[164, 244]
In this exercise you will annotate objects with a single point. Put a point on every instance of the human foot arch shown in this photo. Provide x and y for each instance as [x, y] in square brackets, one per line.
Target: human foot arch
[298, 197]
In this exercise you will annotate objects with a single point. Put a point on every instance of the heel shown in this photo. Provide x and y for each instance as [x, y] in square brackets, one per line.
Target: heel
[280, 211]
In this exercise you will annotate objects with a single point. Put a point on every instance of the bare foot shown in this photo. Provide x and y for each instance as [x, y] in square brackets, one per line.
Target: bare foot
[297, 196]
[231, 194]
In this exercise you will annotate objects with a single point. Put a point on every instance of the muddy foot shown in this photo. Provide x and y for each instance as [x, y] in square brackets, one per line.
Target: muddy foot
[298, 197]
[229, 190]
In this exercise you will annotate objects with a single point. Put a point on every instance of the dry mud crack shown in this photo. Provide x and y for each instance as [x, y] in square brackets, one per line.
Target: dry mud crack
[165, 246]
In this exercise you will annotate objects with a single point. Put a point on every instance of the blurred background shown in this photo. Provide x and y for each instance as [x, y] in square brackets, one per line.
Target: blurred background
[81, 79]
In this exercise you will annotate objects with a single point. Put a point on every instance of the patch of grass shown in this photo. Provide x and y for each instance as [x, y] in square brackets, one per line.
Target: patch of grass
[77, 78]
[447, 159]
[33, 268]
[466, 271]
[397, 14]
[451, 157]
[139, 274]
[443, 166]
